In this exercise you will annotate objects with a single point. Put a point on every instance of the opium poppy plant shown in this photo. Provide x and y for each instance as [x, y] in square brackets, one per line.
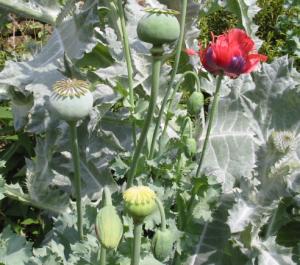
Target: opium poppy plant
[232, 53]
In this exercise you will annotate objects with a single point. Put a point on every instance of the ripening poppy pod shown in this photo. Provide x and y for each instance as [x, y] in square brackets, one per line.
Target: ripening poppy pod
[232, 53]
[71, 99]
[158, 27]
[139, 202]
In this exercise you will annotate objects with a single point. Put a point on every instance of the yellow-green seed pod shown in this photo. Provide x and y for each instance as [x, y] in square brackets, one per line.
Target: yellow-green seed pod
[109, 227]
[139, 202]
[162, 244]
[71, 99]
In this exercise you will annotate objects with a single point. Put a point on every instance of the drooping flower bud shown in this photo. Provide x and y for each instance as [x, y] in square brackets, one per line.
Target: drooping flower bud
[195, 103]
[162, 244]
[109, 227]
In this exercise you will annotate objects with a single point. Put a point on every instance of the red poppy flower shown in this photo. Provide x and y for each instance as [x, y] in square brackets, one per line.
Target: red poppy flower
[232, 53]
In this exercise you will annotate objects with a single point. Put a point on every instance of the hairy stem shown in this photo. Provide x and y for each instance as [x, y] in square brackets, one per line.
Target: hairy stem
[156, 65]
[76, 164]
[103, 256]
[137, 233]
[174, 72]
[129, 65]
[26, 11]
[161, 209]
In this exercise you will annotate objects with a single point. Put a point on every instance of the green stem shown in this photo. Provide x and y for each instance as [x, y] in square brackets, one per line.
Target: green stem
[161, 209]
[103, 256]
[210, 122]
[24, 10]
[174, 72]
[107, 196]
[137, 233]
[76, 164]
[172, 98]
[156, 65]
[129, 65]
[114, 17]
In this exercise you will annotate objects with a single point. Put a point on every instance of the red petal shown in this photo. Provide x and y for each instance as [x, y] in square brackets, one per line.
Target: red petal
[190, 52]
[252, 62]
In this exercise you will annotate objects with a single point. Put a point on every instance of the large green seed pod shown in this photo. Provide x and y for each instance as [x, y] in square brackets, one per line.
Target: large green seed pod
[195, 103]
[162, 244]
[158, 28]
[109, 227]
[139, 202]
[71, 99]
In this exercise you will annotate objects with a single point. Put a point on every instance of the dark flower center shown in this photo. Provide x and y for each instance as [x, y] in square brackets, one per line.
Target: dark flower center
[209, 55]
[236, 65]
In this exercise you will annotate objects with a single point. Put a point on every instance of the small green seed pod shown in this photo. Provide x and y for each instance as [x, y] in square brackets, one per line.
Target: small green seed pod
[139, 202]
[71, 99]
[109, 227]
[162, 244]
[195, 103]
[190, 147]
[158, 28]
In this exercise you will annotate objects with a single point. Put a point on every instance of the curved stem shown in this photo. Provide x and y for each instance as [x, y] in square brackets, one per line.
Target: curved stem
[172, 98]
[103, 256]
[107, 196]
[137, 233]
[129, 65]
[174, 72]
[210, 122]
[156, 65]
[76, 164]
[161, 209]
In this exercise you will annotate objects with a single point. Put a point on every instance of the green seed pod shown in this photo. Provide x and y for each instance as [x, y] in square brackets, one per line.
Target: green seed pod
[190, 147]
[158, 28]
[71, 99]
[109, 227]
[139, 202]
[162, 244]
[195, 103]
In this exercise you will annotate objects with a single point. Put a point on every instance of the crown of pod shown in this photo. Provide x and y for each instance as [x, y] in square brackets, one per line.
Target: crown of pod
[71, 99]
[139, 201]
